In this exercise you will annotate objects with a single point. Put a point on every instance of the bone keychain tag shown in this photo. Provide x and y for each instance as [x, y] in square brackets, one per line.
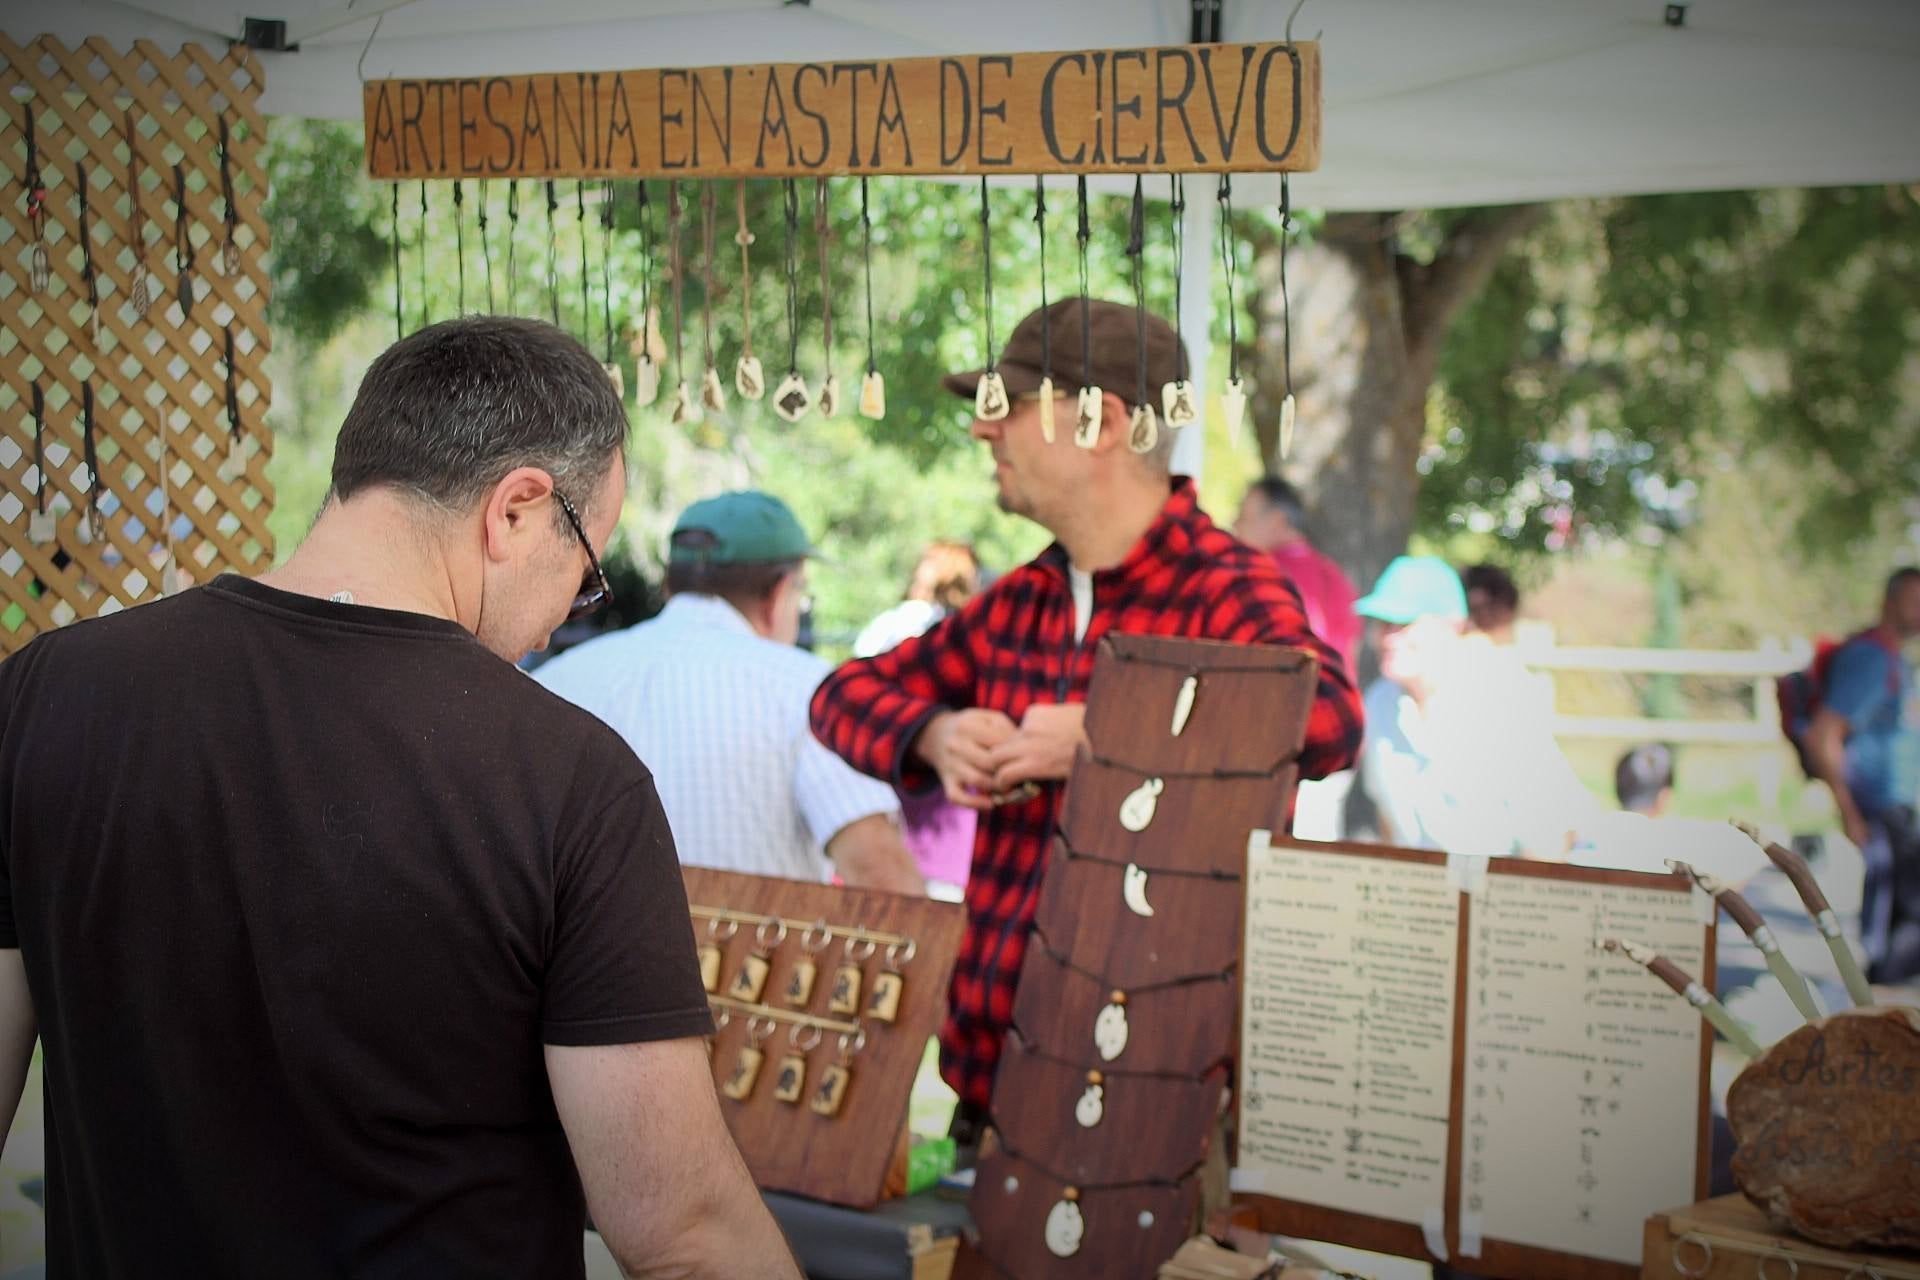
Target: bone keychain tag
[800, 982]
[831, 1092]
[1136, 811]
[713, 396]
[990, 402]
[1233, 407]
[713, 951]
[791, 399]
[845, 999]
[1092, 1107]
[790, 1081]
[1065, 1227]
[883, 1002]
[1110, 1030]
[1178, 405]
[750, 980]
[873, 395]
[230, 249]
[1086, 422]
[746, 1068]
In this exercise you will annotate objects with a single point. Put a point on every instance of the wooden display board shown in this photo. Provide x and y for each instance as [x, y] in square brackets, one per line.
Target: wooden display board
[1727, 1238]
[843, 1158]
[1213, 108]
[1436, 1059]
[159, 382]
[1140, 917]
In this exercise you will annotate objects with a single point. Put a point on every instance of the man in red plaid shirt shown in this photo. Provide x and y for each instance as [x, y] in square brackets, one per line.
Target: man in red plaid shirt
[990, 703]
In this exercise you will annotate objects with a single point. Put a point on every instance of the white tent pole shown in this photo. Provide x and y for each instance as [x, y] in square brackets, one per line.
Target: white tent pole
[1196, 316]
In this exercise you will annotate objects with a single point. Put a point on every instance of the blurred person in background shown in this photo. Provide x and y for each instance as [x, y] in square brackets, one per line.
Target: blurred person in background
[1493, 601]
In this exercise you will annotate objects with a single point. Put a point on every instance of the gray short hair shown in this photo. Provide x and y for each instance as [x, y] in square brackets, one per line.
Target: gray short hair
[446, 412]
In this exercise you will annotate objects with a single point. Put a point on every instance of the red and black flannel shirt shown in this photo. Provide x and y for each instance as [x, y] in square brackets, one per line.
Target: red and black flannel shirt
[1013, 646]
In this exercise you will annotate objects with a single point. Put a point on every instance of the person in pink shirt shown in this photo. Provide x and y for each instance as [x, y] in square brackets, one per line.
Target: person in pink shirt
[1270, 519]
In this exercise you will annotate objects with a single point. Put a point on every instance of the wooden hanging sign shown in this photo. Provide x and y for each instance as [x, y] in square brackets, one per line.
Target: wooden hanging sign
[1179, 109]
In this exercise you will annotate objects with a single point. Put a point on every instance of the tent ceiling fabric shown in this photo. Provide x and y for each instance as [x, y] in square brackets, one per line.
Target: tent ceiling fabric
[1428, 102]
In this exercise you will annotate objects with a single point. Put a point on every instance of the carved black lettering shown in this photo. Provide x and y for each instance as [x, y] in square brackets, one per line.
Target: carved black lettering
[440, 88]
[998, 109]
[819, 119]
[573, 120]
[723, 132]
[413, 105]
[533, 126]
[382, 133]
[469, 124]
[1224, 133]
[1177, 103]
[678, 118]
[499, 164]
[891, 122]
[852, 71]
[773, 123]
[1260, 87]
[620, 124]
[952, 157]
[1133, 106]
[1099, 108]
[1049, 125]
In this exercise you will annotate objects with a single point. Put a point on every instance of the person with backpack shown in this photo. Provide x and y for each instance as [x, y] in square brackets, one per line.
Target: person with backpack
[1861, 737]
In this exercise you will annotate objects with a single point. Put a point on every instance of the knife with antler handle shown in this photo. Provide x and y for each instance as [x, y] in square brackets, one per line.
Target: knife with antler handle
[1824, 917]
[1755, 927]
[1689, 990]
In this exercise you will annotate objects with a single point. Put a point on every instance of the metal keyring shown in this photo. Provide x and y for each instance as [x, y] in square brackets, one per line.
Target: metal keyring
[755, 1035]
[858, 956]
[1864, 1272]
[1706, 1260]
[851, 1045]
[760, 934]
[822, 928]
[793, 1038]
[713, 929]
[1768, 1259]
[894, 957]
[721, 1019]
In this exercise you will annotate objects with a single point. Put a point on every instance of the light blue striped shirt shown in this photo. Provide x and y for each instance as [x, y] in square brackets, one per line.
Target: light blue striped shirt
[719, 714]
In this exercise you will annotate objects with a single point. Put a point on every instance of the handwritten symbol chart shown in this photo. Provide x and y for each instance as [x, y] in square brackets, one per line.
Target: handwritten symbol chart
[1347, 1033]
[1582, 1078]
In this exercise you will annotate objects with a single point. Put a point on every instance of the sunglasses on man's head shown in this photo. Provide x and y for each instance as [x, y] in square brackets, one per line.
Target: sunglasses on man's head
[595, 591]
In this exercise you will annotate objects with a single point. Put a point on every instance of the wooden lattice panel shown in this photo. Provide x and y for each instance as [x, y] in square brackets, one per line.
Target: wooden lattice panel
[159, 382]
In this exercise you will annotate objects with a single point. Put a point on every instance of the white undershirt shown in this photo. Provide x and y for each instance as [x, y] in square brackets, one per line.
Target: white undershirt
[1082, 583]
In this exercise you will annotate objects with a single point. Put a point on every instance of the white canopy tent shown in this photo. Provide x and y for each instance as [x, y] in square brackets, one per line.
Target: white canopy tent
[1427, 102]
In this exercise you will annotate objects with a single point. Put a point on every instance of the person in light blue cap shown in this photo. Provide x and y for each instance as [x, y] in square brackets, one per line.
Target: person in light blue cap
[1460, 753]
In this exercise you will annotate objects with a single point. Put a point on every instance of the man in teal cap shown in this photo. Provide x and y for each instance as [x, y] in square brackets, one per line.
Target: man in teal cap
[1459, 752]
[712, 695]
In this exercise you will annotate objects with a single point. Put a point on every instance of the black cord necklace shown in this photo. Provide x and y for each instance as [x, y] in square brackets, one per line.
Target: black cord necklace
[1046, 316]
[234, 429]
[873, 386]
[791, 399]
[580, 225]
[459, 249]
[553, 254]
[399, 308]
[426, 304]
[230, 212]
[1178, 404]
[611, 365]
[182, 245]
[1233, 400]
[41, 268]
[96, 523]
[646, 373]
[486, 250]
[713, 397]
[513, 228]
[990, 401]
[1144, 430]
[1286, 322]
[86, 256]
[684, 408]
[140, 286]
[1086, 422]
[40, 528]
[829, 400]
[749, 379]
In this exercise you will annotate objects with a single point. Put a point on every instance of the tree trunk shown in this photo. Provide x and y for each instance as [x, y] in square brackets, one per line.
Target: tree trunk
[1367, 327]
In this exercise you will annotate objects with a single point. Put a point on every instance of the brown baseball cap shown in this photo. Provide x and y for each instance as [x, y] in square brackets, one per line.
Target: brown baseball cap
[1113, 350]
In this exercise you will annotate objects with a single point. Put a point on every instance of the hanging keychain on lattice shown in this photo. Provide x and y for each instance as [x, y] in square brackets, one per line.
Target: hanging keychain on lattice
[791, 399]
[40, 270]
[749, 379]
[236, 432]
[95, 529]
[1088, 407]
[873, 386]
[829, 401]
[606, 290]
[140, 286]
[646, 373]
[713, 396]
[41, 528]
[1286, 323]
[1144, 430]
[1179, 405]
[87, 274]
[182, 245]
[230, 212]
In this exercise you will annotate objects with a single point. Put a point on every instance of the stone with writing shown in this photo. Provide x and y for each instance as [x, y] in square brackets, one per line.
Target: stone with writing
[1827, 1124]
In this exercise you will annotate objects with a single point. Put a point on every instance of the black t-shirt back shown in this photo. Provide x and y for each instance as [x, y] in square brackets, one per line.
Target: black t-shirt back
[302, 888]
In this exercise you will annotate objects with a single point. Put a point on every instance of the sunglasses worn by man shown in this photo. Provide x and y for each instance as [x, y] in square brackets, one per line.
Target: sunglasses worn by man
[595, 591]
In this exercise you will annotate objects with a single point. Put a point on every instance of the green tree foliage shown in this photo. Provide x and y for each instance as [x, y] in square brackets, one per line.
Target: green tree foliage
[328, 252]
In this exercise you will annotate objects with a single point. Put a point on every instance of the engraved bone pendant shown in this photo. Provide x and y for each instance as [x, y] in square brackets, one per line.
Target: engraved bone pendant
[1046, 410]
[1065, 1228]
[140, 290]
[1179, 406]
[883, 1002]
[791, 399]
[829, 402]
[800, 983]
[1110, 1030]
[1086, 421]
[1183, 704]
[1286, 425]
[617, 378]
[710, 967]
[646, 382]
[685, 408]
[1092, 1107]
[1145, 431]
[1133, 890]
[1136, 811]
[41, 529]
[873, 395]
[749, 379]
[746, 1072]
[751, 979]
[791, 1081]
[713, 396]
[831, 1092]
[846, 990]
[1233, 407]
[990, 403]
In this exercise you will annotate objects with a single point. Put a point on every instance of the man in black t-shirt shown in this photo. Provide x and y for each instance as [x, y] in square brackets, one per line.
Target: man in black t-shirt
[355, 952]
